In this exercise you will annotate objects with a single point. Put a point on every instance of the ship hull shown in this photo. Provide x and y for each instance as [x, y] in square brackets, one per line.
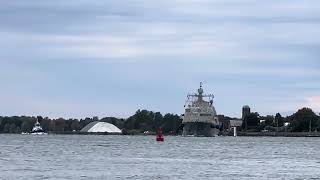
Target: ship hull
[199, 129]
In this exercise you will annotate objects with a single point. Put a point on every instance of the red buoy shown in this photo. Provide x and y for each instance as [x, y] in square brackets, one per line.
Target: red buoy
[159, 136]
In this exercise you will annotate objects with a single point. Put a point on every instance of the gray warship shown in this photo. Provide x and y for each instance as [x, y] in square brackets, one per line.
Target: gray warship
[200, 117]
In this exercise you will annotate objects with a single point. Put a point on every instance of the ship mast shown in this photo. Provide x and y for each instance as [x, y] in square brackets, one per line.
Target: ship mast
[191, 98]
[200, 91]
[200, 94]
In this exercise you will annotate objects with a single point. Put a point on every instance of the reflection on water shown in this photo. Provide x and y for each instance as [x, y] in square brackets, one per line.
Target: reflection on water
[141, 157]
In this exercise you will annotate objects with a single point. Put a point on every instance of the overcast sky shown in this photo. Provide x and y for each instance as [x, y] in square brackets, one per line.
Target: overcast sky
[84, 58]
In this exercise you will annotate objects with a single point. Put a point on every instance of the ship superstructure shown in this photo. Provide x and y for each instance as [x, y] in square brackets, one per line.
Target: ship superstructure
[200, 117]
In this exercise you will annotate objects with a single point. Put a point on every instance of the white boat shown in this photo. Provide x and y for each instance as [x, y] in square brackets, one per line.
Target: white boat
[37, 129]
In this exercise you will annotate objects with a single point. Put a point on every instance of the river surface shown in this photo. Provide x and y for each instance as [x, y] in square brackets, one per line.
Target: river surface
[140, 157]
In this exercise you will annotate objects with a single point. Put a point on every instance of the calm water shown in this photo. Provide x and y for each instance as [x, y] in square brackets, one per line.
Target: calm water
[140, 157]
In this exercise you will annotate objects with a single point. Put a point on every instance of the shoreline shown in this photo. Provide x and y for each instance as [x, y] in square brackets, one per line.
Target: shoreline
[249, 134]
[278, 134]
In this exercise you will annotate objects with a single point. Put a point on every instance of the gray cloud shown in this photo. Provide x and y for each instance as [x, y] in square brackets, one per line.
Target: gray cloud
[145, 53]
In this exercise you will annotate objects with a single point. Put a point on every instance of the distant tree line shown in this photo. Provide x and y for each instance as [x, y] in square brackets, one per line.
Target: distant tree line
[18, 124]
[303, 120]
[142, 121]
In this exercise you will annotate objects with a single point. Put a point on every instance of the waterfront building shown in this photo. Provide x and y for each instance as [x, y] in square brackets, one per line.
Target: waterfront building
[246, 110]
[245, 113]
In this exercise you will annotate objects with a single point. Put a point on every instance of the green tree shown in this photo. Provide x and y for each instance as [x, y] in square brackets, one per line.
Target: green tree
[6, 128]
[75, 125]
[45, 124]
[171, 123]
[141, 120]
[59, 125]
[26, 126]
[158, 118]
[251, 121]
[279, 120]
[269, 120]
[303, 120]
[12, 128]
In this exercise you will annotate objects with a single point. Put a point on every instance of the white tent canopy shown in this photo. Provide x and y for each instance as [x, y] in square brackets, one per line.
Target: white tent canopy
[97, 127]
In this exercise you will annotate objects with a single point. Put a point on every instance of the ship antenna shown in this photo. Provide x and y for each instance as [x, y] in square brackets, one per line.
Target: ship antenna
[200, 90]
